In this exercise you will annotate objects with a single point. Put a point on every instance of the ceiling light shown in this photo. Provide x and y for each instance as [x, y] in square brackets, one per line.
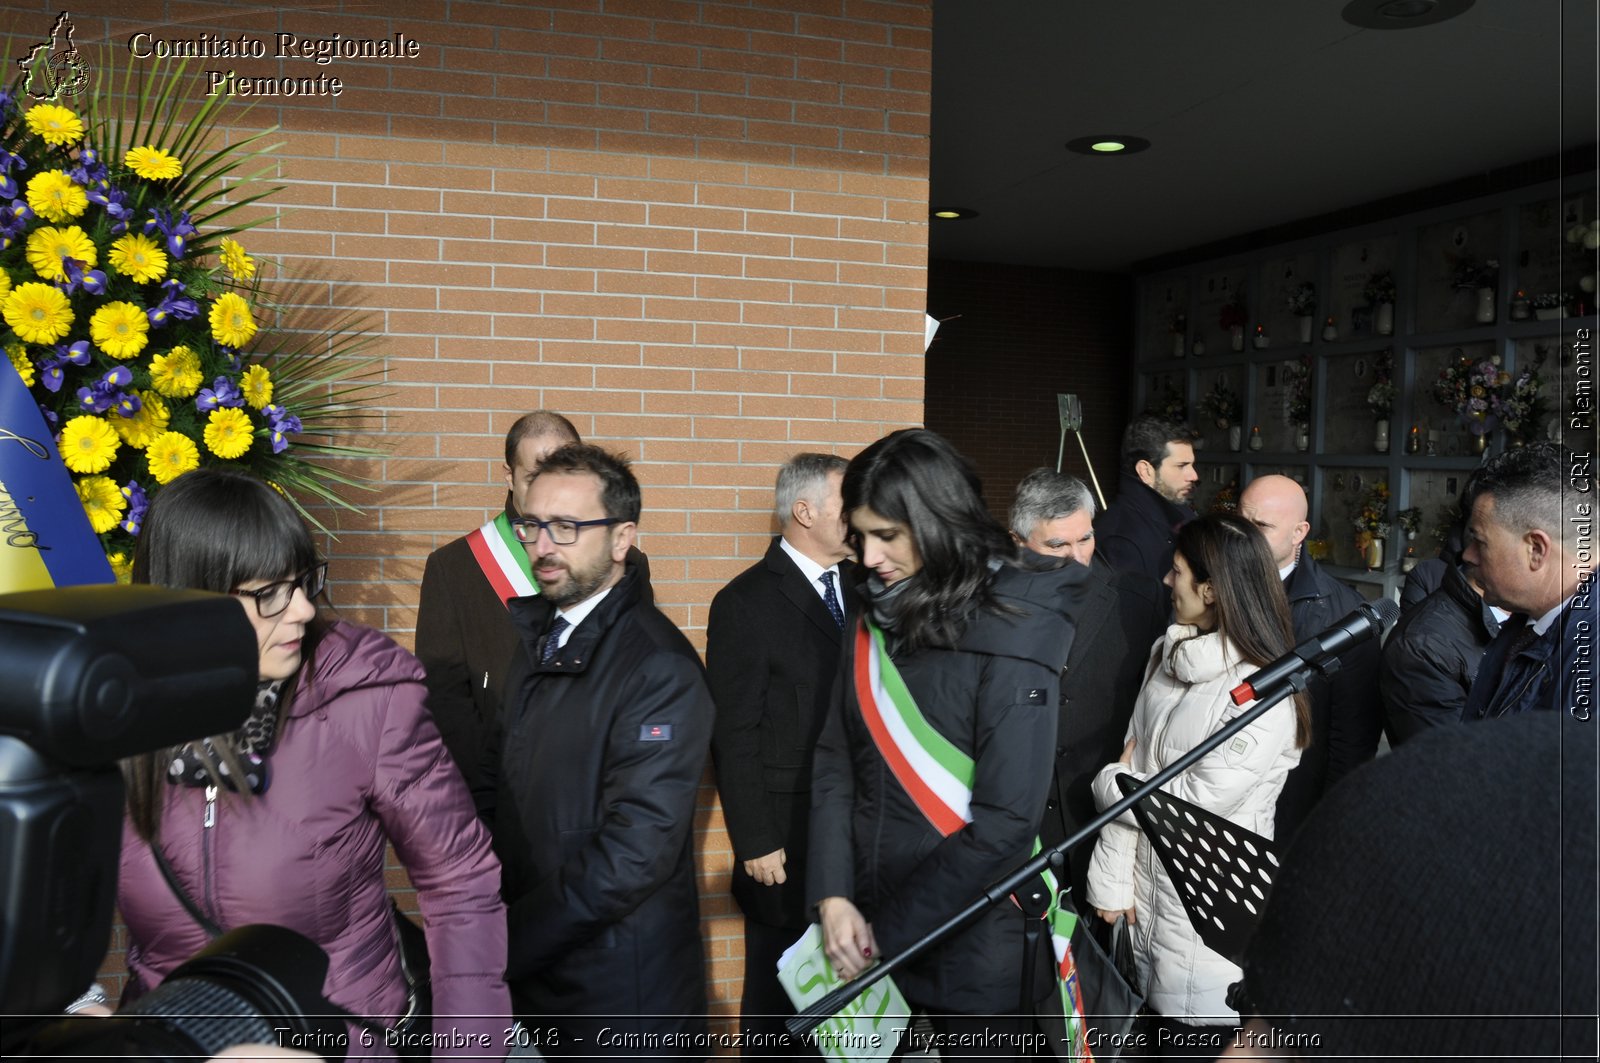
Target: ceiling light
[1401, 14]
[1107, 144]
[952, 213]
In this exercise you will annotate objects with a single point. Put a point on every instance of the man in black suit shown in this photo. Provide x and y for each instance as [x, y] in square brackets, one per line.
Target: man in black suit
[772, 647]
[1116, 622]
[1346, 712]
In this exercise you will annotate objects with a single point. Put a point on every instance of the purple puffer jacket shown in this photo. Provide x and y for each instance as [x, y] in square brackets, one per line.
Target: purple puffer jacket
[358, 762]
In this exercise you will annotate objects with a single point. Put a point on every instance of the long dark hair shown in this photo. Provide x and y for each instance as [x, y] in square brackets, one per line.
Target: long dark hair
[211, 530]
[916, 478]
[1251, 609]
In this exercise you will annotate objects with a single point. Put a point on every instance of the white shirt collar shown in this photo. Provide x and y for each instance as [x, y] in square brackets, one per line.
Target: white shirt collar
[1541, 625]
[809, 568]
[577, 613]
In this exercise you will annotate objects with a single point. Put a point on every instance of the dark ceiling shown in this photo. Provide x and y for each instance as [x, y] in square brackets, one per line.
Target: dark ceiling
[1260, 113]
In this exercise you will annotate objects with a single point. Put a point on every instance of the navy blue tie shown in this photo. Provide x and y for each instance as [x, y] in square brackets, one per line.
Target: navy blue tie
[552, 641]
[831, 599]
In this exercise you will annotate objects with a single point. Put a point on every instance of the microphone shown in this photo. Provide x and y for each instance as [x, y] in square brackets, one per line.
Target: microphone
[1275, 680]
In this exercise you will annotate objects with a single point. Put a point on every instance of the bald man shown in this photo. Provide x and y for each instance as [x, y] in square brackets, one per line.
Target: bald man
[1346, 714]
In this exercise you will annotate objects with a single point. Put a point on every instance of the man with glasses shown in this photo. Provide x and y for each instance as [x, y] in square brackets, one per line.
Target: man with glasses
[592, 780]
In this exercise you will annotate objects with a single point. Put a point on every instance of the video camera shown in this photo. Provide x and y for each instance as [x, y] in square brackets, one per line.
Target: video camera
[91, 675]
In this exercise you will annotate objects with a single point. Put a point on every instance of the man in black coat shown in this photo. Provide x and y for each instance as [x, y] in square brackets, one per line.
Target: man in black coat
[1346, 715]
[465, 638]
[1117, 617]
[595, 772]
[1432, 655]
[1137, 530]
[772, 648]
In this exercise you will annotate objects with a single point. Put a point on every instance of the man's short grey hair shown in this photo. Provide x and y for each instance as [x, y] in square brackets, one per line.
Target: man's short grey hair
[1045, 494]
[804, 476]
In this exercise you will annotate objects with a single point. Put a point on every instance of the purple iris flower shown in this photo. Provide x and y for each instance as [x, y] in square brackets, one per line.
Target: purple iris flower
[14, 218]
[128, 405]
[137, 504]
[50, 370]
[280, 424]
[115, 202]
[90, 171]
[77, 278]
[223, 393]
[174, 305]
[106, 392]
[49, 416]
[176, 230]
[235, 363]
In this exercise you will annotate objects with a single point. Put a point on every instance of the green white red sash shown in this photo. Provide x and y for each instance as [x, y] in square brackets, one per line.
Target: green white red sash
[503, 558]
[938, 776]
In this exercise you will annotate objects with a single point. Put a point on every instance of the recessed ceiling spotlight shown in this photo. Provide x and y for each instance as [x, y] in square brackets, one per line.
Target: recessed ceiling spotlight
[952, 213]
[1401, 14]
[1108, 144]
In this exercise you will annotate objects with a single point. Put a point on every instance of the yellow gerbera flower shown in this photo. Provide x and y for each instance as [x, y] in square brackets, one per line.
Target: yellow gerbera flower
[257, 386]
[24, 365]
[176, 374]
[54, 197]
[120, 329]
[56, 125]
[153, 164]
[102, 500]
[38, 313]
[121, 565]
[170, 455]
[231, 323]
[48, 246]
[88, 444]
[136, 255]
[5, 284]
[229, 433]
[140, 430]
[235, 261]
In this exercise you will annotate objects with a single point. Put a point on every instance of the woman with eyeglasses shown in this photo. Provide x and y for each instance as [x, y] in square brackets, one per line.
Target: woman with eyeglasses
[286, 819]
[934, 762]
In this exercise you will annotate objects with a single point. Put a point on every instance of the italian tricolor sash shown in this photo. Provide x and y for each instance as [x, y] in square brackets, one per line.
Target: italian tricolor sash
[503, 559]
[937, 776]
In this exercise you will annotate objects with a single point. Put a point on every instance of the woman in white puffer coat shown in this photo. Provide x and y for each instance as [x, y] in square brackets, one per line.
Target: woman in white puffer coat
[1231, 618]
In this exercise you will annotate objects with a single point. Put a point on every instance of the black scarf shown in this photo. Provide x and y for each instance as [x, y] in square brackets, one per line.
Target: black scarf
[192, 763]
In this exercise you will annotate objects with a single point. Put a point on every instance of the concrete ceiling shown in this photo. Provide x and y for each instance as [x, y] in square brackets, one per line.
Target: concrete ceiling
[1259, 113]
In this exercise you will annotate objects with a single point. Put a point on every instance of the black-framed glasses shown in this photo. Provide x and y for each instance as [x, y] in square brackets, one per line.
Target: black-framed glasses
[562, 532]
[274, 598]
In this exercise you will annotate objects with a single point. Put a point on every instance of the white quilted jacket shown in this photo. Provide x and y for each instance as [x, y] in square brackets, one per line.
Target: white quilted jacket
[1184, 699]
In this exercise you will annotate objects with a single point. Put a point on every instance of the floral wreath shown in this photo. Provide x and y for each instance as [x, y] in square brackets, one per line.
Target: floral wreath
[130, 311]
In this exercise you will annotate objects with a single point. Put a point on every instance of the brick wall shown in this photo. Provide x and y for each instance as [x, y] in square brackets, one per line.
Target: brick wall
[696, 228]
[1019, 335]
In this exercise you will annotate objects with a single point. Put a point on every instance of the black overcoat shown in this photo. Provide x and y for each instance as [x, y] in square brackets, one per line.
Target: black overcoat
[771, 653]
[595, 777]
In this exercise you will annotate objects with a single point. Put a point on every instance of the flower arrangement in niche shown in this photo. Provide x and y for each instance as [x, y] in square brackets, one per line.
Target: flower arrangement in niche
[1410, 521]
[1472, 391]
[1372, 515]
[1520, 405]
[1379, 288]
[135, 317]
[1380, 397]
[1221, 404]
[1169, 405]
[1302, 299]
[1298, 378]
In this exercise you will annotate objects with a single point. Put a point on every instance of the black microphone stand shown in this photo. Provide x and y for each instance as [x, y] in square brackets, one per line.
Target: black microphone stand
[1054, 857]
